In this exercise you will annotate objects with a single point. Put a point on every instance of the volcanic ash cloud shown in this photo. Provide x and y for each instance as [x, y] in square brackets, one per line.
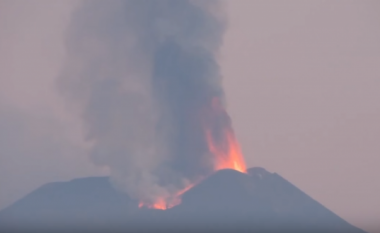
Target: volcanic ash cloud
[143, 75]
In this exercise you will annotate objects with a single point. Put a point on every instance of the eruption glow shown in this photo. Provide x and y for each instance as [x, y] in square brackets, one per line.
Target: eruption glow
[225, 149]
[228, 155]
[163, 204]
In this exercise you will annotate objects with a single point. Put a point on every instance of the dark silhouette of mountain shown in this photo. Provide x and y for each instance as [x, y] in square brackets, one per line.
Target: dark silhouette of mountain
[227, 201]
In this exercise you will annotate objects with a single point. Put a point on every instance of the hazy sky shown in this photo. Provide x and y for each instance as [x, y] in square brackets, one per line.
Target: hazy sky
[302, 81]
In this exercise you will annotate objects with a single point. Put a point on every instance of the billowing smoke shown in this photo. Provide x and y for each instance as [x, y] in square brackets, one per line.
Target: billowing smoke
[142, 73]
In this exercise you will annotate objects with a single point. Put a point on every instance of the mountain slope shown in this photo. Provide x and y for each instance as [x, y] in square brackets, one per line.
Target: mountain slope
[226, 201]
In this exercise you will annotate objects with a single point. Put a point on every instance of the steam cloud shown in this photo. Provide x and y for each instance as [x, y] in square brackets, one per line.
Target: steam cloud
[141, 73]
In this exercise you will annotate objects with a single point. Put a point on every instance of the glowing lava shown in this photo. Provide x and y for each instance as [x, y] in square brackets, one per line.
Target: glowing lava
[227, 155]
[163, 204]
[222, 146]
[221, 140]
[159, 204]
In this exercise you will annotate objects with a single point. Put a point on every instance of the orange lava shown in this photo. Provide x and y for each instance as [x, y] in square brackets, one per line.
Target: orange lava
[159, 204]
[225, 148]
[227, 156]
[222, 146]
[162, 204]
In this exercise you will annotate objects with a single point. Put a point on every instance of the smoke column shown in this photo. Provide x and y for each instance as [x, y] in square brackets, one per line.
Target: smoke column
[144, 76]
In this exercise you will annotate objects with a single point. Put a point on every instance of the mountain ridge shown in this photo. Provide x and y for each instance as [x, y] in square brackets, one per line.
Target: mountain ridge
[258, 201]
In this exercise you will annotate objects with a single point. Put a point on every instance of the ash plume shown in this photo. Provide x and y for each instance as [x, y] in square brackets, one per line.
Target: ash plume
[141, 73]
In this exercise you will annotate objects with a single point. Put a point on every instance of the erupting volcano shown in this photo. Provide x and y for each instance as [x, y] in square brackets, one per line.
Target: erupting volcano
[152, 100]
[145, 78]
[223, 150]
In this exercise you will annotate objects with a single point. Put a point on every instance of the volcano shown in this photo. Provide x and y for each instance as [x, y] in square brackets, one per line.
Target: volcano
[227, 201]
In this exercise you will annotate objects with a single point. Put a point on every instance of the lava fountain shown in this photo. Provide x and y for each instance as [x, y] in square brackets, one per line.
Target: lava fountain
[222, 143]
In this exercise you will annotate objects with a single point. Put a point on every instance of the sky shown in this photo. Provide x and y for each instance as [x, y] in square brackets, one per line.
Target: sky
[301, 81]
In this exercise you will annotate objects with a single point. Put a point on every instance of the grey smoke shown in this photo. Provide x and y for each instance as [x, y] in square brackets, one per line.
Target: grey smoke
[140, 72]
